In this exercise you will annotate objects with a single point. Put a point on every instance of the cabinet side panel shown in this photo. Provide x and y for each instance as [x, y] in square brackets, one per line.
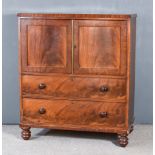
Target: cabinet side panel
[19, 67]
[132, 69]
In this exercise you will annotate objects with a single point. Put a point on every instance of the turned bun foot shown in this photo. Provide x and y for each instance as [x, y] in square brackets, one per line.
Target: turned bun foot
[26, 133]
[122, 139]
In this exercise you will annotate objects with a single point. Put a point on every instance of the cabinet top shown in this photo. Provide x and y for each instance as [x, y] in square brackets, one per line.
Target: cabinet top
[75, 16]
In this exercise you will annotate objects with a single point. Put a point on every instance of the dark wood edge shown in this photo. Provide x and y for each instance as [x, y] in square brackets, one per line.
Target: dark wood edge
[20, 69]
[76, 16]
[74, 75]
[48, 97]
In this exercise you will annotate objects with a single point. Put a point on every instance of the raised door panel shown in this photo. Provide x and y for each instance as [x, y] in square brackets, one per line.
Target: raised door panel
[46, 45]
[100, 47]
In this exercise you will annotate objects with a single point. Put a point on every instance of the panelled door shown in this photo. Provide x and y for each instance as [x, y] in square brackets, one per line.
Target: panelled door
[46, 45]
[100, 47]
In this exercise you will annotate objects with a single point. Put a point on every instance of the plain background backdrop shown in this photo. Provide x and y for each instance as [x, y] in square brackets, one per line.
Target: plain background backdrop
[144, 48]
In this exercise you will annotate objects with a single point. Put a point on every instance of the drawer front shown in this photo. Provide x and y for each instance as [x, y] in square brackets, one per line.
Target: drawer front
[74, 87]
[65, 112]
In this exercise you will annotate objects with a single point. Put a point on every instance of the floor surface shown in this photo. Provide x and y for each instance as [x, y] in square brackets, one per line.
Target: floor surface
[53, 142]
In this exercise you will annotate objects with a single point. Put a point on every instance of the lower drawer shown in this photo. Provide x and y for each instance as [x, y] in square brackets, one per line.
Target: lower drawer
[65, 112]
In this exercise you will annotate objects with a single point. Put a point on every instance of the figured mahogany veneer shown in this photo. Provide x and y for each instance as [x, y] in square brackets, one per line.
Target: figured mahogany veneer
[46, 45]
[77, 72]
[64, 112]
[100, 47]
[74, 88]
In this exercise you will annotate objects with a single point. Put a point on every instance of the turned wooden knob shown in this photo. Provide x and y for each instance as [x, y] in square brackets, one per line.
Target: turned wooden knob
[42, 110]
[103, 89]
[42, 86]
[103, 114]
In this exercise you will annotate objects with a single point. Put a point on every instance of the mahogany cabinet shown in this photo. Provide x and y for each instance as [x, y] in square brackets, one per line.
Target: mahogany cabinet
[77, 72]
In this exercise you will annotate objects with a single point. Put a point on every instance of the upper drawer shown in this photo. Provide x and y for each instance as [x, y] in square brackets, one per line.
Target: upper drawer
[74, 87]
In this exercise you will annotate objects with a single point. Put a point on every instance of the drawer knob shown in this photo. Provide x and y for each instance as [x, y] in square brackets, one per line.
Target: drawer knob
[103, 114]
[42, 110]
[42, 86]
[103, 89]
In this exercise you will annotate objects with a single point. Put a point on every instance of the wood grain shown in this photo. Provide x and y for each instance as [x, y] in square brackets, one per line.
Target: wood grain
[99, 47]
[47, 46]
[75, 87]
[74, 112]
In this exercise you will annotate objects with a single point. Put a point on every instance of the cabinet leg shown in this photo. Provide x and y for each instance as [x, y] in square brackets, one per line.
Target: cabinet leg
[131, 128]
[123, 139]
[26, 133]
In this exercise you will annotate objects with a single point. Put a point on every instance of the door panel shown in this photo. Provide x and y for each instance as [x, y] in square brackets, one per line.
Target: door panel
[100, 47]
[46, 45]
